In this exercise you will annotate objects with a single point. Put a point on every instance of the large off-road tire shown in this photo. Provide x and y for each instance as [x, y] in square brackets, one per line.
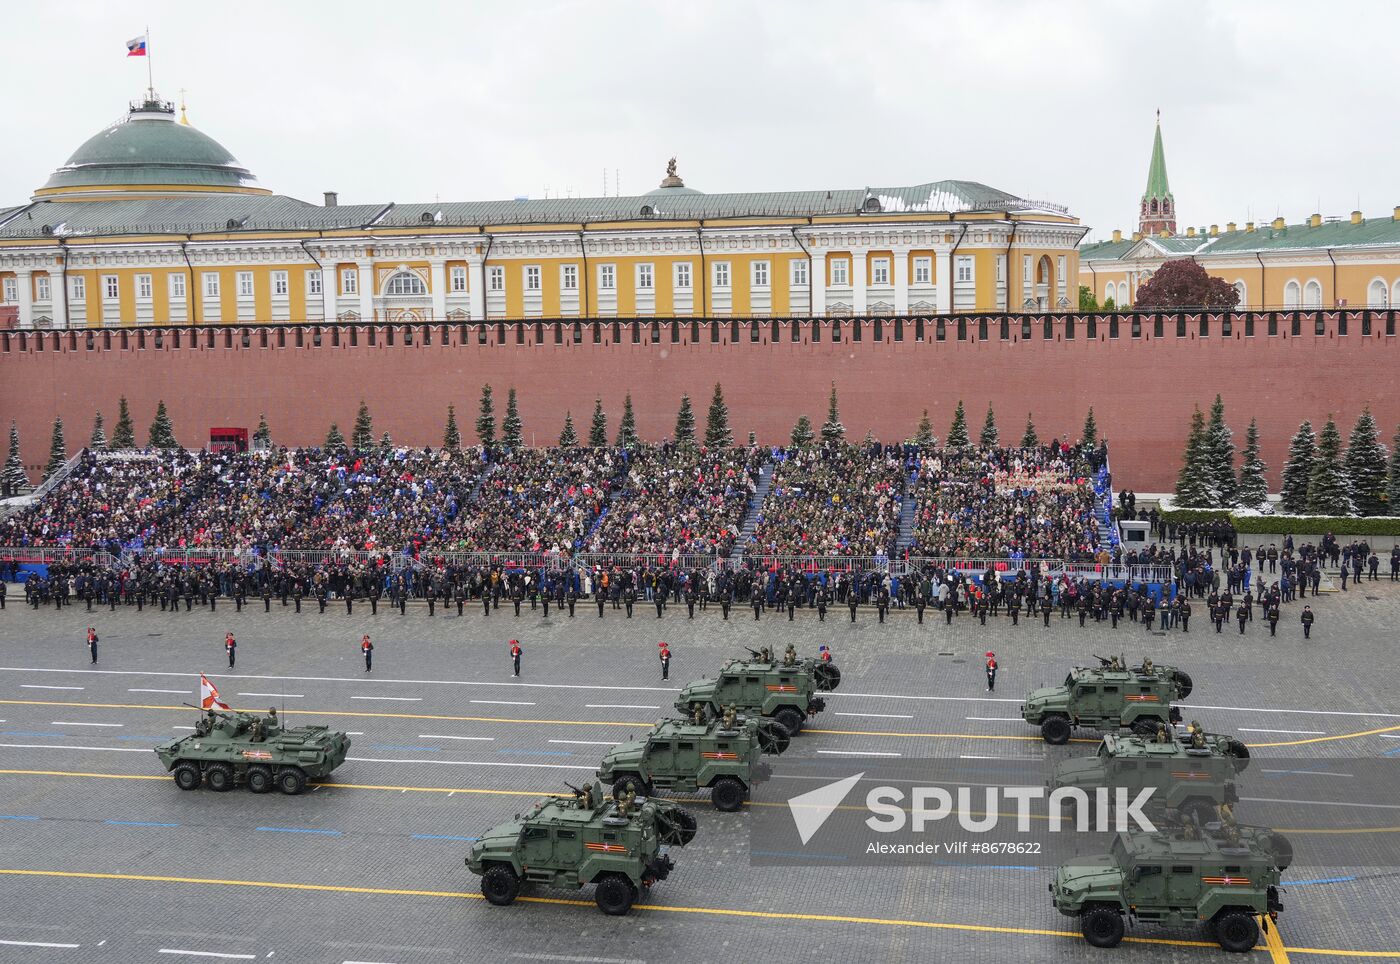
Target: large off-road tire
[259, 779]
[1055, 730]
[187, 775]
[790, 719]
[828, 677]
[630, 781]
[1183, 684]
[500, 885]
[1240, 752]
[1283, 850]
[615, 894]
[219, 776]
[291, 780]
[773, 739]
[1102, 926]
[1236, 931]
[727, 794]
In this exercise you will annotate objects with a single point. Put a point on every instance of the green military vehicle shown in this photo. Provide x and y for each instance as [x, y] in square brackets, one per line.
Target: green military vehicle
[1223, 879]
[783, 690]
[231, 746]
[1191, 776]
[719, 755]
[616, 845]
[1108, 698]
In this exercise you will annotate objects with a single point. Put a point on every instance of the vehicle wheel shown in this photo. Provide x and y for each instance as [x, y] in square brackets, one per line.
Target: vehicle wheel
[187, 776]
[500, 885]
[1236, 931]
[219, 776]
[259, 779]
[615, 894]
[627, 782]
[790, 719]
[1241, 754]
[291, 781]
[1183, 684]
[773, 739]
[727, 794]
[1055, 731]
[688, 824]
[828, 677]
[1283, 850]
[1102, 926]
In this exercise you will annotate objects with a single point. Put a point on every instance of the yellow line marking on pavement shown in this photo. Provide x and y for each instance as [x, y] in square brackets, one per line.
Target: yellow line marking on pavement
[70, 773]
[1278, 954]
[1329, 739]
[338, 786]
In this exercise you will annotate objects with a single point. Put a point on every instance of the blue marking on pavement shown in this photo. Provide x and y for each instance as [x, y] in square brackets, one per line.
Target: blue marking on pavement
[1320, 880]
[537, 752]
[328, 833]
[25, 733]
[1391, 752]
[139, 823]
[800, 856]
[10, 816]
[438, 836]
[407, 749]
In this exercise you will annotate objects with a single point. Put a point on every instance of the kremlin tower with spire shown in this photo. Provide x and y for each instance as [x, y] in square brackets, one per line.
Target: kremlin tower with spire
[1158, 210]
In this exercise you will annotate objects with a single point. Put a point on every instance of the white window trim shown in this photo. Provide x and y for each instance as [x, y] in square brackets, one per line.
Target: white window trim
[144, 281]
[840, 272]
[11, 290]
[315, 282]
[211, 284]
[568, 277]
[495, 278]
[77, 287]
[457, 279]
[242, 279]
[607, 277]
[646, 276]
[43, 288]
[173, 281]
[924, 264]
[878, 265]
[110, 281]
[534, 277]
[761, 267]
[282, 278]
[798, 272]
[683, 277]
[722, 269]
[349, 281]
[964, 261]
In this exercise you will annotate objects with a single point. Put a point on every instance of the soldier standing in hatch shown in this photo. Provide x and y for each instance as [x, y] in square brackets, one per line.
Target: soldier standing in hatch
[231, 646]
[665, 657]
[1307, 619]
[515, 652]
[367, 648]
[92, 643]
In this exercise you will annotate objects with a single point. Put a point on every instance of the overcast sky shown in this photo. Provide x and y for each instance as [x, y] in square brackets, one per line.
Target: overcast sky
[1269, 107]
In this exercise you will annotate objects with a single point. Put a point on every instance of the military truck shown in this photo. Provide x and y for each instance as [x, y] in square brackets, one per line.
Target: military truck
[618, 846]
[1108, 698]
[721, 755]
[227, 747]
[1223, 878]
[1192, 776]
[783, 690]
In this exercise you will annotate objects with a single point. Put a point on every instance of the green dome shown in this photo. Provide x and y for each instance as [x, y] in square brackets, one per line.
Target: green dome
[150, 148]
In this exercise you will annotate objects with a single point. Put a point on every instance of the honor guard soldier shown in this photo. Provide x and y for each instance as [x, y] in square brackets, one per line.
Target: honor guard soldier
[544, 596]
[1185, 615]
[571, 598]
[665, 657]
[690, 600]
[1046, 606]
[429, 593]
[950, 608]
[658, 596]
[1013, 610]
[1218, 614]
[367, 648]
[756, 597]
[991, 671]
[1272, 614]
[517, 596]
[882, 602]
[791, 601]
[852, 600]
[515, 652]
[1083, 609]
[459, 595]
[375, 590]
[1242, 616]
[297, 593]
[267, 596]
[92, 642]
[238, 593]
[1395, 563]
[485, 600]
[726, 599]
[601, 598]
[231, 647]
[349, 600]
[629, 597]
[1307, 619]
[823, 597]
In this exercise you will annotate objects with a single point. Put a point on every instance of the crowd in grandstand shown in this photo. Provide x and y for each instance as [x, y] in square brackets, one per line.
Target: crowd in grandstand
[832, 501]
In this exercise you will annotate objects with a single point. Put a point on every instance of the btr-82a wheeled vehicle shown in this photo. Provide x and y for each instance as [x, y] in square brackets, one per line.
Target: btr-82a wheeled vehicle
[228, 747]
[1110, 697]
[781, 689]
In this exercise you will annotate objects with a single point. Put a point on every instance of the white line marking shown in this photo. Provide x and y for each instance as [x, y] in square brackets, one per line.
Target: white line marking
[438, 736]
[366, 962]
[995, 719]
[1388, 736]
[587, 742]
[856, 753]
[182, 728]
[37, 944]
[231, 957]
[285, 696]
[973, 756]
[900, 696]
[40, 686]
[58, 746]
[176, 692]
[65, 723]
[1245, 729]
[619, 706]
[501, 703]
[1313, 773]
[452, 763]
[402, 699]
[354, 732]
[882, 716]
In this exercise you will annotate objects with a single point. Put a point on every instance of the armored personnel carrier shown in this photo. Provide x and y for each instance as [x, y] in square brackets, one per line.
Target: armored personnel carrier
[1190, 776]
[1223, 878]
[231, 746]
[618, 846]
[719, 755]
[784, 690]
[1108, 698]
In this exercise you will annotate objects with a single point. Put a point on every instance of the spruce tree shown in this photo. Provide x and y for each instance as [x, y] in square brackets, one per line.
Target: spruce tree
[598, 431]
[1090, 434]
[512, 428]
[957, 432]
[1328, 493]
[98, 442]
[753, 439]
[924, 437]
[568, 438]
[124, 435]
[1393, 483]
[162, 434]
[1253, 490]
[335, 441]
[833, 432]
[262, 434]
[486, 419]
[990, 435]
[58, 449]
[1302, 450]
[685, 424]
[627, 427]
[14, 481]
[1192, 484]
[362, 435]
[385, 442]
[1219, 457]
[1365, 466]
[717, 431]
[1029, 439]
[802, 434]
[451, 437]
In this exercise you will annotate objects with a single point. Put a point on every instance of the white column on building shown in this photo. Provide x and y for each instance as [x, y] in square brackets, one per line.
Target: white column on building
[943, 278]
[58, 295]
[858, 282]
[817, 276]
[437, 281]
[901, 281]
[24, 287]
[330, 289]
[366, 286]
[476, 287]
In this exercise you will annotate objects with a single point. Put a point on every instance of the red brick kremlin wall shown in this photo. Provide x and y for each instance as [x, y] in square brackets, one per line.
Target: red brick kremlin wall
[1142, 389]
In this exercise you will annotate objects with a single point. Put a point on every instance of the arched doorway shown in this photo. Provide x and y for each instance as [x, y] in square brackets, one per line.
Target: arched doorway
[1044, 283]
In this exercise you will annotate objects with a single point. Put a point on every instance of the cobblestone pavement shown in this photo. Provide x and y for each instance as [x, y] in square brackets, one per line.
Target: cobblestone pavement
[383, 881]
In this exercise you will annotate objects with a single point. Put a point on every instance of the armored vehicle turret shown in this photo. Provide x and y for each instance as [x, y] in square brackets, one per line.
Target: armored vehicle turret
[784, 689]
[1223, 878]
[231, 746]
[721, 755]
[1108, 698]
[616, 845]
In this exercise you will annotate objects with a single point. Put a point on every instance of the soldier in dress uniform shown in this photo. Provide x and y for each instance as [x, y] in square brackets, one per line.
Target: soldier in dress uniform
[823, 597]
[629, 597]
[517, 596]
[267, 596]
[601, 598]
[296, 593]
[991, 671]
[1185, 615]
[92, 643]
[515, 653]
[367, 648]
[665, 657]
[571, 597]
[1046, 606]
[231, 647]
[1272, 614]
[1307, 620]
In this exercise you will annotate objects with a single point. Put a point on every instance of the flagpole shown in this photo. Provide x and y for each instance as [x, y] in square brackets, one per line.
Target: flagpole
[150, 82]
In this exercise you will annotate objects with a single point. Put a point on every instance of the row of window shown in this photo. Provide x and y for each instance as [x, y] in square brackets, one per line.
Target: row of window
[175, 284]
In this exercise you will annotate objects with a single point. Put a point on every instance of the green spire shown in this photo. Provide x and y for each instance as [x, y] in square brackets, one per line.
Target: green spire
[1157, 186]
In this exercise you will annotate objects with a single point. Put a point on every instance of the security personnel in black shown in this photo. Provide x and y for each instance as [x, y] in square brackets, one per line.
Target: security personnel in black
[1084, 605]
[1218, 614]
[297, 593]
[1395, 563]
[1046, 606]
[1248, 604]
[240, 591]
[189, 594]
[658, 596]
[1185, 615]
[1373, 565]
[726, 598]
[629, 596]
[756, 596]
[983, 606]
[375, 591]
[1242, 616]
[790, 599]
[267, 596]
[3, 590]
[429, 591]
[1149, 614]
[1013, 610]
[172, 595]
[517, 596]
[1307, 620]
[544, 594]
[823, 597]
[1272, 614]
[459, 594]
[690, 600]
[852, 600]
[602, 600]
[920, 602]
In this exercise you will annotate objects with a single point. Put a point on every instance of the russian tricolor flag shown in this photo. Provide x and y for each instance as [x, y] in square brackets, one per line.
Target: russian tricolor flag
[136, 46]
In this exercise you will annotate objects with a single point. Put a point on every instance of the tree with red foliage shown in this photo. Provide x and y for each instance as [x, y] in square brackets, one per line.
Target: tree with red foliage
[1185, 284]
